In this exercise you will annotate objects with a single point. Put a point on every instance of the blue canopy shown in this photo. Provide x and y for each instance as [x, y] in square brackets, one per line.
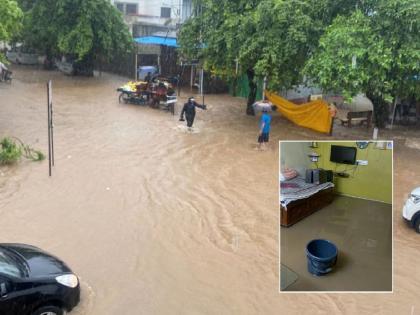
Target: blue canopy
[156, 40]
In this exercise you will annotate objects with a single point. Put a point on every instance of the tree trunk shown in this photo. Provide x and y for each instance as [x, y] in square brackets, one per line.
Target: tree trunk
[252, 92]
[84, 67]
[380, 109]
[49, 60]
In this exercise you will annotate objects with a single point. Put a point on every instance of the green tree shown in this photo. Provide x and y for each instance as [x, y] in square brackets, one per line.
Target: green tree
[287, 32]
[26, 5]
[10, 21]
[89, 30]
[375, 51]
[272, 38]
[40, 27]
[216, 33]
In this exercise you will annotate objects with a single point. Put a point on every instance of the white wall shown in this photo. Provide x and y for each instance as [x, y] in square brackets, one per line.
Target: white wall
[187, 9]
[148, 20]
[152, 7]
[295, 155]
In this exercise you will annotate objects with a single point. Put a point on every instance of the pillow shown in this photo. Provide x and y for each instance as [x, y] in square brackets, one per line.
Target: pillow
[288, 173]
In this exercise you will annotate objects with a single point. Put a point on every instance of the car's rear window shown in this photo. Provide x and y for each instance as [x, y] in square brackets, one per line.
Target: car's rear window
[8, 266]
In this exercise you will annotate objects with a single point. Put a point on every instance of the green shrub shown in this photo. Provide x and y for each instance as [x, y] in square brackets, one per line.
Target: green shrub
[10, 152]
[34, 155]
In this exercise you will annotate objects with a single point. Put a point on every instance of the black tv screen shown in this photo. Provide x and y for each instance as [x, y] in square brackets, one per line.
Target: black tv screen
[343, 155]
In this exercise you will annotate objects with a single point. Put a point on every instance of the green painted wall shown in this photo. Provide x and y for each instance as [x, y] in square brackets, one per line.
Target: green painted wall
[372, 181]
[242, 87]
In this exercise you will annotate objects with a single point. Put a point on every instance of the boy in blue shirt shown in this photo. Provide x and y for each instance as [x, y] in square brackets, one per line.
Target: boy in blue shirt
[265, 124]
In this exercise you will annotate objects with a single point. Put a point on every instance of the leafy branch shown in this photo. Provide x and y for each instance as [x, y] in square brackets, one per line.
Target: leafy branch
[12, 149]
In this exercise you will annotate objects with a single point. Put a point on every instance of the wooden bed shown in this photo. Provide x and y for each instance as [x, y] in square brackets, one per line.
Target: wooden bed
[301, 208]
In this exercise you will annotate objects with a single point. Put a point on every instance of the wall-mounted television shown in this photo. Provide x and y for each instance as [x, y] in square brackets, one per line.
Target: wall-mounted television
[343, 155]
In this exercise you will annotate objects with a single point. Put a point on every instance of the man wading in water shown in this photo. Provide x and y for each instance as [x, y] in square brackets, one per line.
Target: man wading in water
[189, 110]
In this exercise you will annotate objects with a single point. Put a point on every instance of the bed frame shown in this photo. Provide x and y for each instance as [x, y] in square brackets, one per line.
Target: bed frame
[299, 209]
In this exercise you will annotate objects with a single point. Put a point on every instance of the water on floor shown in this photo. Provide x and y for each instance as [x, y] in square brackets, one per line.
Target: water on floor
[361, 230]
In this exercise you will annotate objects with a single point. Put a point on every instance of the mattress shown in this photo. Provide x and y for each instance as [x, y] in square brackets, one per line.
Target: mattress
[297, 188]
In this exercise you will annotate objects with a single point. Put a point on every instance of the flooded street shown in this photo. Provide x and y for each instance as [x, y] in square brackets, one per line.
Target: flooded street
[156, 220]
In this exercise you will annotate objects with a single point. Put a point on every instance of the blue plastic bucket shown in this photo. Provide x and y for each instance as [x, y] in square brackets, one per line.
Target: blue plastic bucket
[322, 256]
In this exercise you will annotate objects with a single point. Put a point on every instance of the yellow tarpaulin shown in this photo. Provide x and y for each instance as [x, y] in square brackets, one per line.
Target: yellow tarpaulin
[314, 115]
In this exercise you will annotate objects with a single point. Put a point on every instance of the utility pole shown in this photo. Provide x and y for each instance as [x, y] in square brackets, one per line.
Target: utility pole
[201, 44]
[136, 62]
[50, 128]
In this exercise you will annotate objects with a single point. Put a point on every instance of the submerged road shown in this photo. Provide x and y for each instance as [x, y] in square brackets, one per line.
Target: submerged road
[156, 220]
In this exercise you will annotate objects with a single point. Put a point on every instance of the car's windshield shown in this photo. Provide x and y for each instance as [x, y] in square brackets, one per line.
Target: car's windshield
[9, 264]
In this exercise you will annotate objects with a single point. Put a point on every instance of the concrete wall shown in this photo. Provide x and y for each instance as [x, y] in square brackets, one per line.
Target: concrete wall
[187, 9]
[295, 155]
[148, 21]
[151, 9]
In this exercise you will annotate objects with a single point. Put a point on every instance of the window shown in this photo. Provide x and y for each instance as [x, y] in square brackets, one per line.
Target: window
[131, 8]
[165, 12]
[120, 6]
[8, 266]
[127, 8]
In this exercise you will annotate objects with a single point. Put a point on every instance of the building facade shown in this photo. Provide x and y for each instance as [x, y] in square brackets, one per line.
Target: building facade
[148, 17]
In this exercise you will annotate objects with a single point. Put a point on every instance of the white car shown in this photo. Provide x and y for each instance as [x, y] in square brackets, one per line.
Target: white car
[23, 57]
[411, 210]
[66, 67]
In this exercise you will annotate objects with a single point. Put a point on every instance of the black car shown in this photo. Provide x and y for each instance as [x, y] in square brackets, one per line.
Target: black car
[33, 282]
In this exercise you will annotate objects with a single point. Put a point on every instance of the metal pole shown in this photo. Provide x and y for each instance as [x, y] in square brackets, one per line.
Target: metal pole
[202, 84]
[49, 126]
[192, 77]
[393, 112]
[180, 79]
[201, 46]
[136, 63]
[52, 127]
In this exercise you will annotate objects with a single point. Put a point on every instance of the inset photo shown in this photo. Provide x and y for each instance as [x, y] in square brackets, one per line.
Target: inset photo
[336, 216]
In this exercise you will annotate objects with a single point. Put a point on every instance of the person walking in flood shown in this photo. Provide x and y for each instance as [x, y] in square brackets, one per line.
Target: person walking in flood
[265, 126]
[189, 110]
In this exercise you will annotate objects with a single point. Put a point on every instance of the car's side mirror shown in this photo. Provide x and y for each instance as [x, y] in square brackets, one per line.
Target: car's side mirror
[3, 289]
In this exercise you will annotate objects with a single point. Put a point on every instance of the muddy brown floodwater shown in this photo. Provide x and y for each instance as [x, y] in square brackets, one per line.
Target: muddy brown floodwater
[156, 220]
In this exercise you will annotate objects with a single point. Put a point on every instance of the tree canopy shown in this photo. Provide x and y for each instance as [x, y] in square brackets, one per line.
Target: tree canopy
[10, 22]
[88, 30]
[370, 46]
[272, 38]
[216, 35]
[376, 51]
